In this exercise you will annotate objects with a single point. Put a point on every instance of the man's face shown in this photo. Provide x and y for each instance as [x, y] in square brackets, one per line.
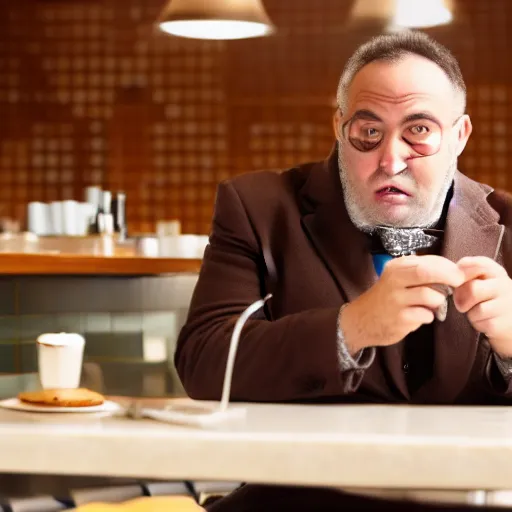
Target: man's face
[399, 140]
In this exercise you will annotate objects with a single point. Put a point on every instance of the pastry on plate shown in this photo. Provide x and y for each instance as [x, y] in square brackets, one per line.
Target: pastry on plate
[79, 397]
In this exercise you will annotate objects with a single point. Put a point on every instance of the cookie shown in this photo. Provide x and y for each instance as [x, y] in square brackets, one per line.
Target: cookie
[79, 397]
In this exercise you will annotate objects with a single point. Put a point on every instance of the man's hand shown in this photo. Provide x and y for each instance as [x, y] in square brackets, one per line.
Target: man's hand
[486, 297]
[400, 302]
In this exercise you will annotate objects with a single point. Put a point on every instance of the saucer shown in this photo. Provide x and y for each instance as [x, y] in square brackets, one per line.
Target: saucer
[17, 405]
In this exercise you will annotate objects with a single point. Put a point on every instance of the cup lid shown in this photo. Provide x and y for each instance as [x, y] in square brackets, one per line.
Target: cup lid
[60, 339]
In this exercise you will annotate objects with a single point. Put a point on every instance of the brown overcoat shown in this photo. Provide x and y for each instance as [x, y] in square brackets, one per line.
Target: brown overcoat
[288, 233]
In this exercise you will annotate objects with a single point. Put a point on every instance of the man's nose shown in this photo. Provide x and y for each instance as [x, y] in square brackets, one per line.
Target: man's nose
[393, 156]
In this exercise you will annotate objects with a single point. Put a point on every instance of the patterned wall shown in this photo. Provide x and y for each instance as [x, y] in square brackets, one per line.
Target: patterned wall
[91, 93]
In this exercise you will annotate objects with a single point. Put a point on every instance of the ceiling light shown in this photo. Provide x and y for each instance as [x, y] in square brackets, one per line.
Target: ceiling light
[421, 14]
[399, 14]
[215, 19]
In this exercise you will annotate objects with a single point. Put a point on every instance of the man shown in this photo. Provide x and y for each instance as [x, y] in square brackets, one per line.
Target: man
[347, 323]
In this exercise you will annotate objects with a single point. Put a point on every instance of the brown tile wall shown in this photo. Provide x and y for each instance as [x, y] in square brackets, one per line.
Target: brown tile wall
[91, 93]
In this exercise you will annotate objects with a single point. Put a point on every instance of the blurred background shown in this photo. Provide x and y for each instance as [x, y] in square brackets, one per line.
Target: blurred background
[93, 93]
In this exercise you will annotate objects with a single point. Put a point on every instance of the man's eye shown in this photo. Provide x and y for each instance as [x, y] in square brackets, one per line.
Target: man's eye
[419, 130]
[371, 133]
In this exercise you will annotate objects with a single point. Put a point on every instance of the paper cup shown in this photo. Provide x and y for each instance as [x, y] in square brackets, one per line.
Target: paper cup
[60, 358]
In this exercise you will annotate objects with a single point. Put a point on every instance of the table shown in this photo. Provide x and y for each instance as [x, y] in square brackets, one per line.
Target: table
[350, 446]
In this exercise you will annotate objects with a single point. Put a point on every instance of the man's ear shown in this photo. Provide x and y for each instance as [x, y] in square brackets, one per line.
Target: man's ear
[464, 132]
[336, 123]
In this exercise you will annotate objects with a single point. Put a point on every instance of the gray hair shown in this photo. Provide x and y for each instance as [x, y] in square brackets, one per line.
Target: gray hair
[392, 48]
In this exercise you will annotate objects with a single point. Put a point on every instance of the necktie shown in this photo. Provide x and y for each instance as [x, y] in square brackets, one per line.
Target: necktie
[388, 243]
[404, 241]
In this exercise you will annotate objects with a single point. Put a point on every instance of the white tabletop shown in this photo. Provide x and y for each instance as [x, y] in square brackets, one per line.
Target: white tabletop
[332, 445]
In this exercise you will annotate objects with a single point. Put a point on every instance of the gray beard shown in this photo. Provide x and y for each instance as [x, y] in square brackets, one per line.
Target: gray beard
[366, 218]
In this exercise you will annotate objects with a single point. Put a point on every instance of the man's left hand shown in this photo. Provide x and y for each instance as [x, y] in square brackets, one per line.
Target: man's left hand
[486, 297]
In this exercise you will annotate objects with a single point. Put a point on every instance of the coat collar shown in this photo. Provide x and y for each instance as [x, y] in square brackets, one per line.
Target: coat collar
[472, 228]
[342, 247]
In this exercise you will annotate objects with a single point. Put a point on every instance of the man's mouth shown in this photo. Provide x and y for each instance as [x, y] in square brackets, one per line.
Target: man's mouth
[391, 190]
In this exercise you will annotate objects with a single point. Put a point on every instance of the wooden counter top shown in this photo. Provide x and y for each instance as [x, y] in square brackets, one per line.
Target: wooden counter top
[68, 264]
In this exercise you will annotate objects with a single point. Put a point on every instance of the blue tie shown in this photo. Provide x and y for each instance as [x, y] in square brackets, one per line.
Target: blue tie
[379, 261]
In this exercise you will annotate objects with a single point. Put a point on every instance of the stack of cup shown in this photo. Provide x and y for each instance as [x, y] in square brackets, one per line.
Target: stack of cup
[38, 218]
[68, 218]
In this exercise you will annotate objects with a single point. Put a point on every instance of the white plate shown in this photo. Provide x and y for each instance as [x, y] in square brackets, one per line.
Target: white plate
[17, 405]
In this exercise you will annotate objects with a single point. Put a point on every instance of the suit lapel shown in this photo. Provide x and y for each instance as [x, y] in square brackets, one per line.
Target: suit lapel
[471, 229]
[344, 249]
[341, 246]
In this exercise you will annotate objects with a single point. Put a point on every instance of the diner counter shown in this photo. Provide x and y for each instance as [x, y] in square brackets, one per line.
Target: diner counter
[351, 446]
[70, 264]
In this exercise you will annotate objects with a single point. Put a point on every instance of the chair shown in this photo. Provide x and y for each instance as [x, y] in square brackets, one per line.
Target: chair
[111, 494]
[146, 504]
[33, 504]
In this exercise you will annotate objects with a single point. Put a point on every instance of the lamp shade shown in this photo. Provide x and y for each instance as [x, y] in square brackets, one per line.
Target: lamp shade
[421, 14]
[215, 19]
[403, 13]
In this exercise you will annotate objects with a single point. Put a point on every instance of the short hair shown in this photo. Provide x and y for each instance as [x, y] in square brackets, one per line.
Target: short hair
[394, 47]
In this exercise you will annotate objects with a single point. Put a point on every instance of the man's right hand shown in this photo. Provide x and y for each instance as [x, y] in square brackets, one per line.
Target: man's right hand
[399, 302]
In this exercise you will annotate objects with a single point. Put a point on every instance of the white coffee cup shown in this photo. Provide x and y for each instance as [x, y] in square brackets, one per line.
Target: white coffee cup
[60, 358]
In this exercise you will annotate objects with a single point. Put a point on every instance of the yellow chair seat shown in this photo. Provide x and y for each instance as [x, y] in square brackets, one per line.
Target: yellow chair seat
[145, 504]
